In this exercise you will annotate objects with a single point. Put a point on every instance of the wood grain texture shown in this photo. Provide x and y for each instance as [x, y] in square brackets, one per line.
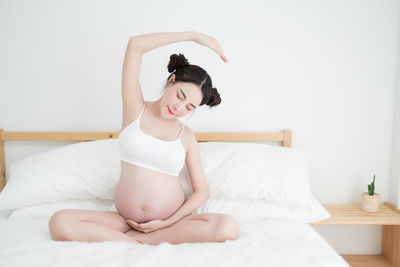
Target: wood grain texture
[353, 214]
[388, 217]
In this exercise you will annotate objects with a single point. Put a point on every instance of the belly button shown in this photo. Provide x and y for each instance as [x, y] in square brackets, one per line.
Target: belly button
[143, 208]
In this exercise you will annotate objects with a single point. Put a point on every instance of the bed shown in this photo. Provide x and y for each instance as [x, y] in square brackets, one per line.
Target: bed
[264, 186]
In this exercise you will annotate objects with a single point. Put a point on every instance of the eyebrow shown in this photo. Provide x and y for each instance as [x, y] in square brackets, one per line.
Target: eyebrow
[185, 98]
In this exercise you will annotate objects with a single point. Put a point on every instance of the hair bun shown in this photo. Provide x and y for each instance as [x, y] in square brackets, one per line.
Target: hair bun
[215, 98]
[176, 62]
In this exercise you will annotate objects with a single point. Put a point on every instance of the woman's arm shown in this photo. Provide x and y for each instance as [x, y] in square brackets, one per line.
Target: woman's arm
[198, 180]
[194, 202]
[150, 41]
[196, 199]
[132, 95]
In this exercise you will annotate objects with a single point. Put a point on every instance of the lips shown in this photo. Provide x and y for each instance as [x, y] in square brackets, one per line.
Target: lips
[170, 112]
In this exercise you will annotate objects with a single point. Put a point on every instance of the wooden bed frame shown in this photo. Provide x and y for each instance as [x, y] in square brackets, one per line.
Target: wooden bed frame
[285, 137]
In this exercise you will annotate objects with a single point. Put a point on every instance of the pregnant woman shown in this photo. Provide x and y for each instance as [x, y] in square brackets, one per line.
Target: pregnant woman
[149, 202]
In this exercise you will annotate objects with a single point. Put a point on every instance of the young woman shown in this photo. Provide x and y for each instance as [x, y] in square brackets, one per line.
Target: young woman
[149, 203]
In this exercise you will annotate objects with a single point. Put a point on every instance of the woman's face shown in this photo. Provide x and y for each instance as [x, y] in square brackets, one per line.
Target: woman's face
[180, 99]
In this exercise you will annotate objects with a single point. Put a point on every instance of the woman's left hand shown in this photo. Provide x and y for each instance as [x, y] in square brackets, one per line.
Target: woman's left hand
[211, 42]
[148, 227]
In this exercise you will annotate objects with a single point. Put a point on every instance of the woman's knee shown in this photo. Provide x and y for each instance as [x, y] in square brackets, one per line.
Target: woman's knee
[226, 227]
[60, 223]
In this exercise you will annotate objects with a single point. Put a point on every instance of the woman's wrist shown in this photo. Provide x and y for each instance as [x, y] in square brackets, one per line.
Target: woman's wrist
[169, 221]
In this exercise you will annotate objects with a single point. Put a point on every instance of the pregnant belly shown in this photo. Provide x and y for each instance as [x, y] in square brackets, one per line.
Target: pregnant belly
[143, 195]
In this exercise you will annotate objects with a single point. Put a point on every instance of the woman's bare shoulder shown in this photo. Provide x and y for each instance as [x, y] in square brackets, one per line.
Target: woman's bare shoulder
[188, 137]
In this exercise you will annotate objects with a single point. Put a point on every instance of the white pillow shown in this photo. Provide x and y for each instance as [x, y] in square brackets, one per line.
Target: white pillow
[86, 170]
[249, 209]
[91, 170]
[238, 174]
[256, 171]
[48, 209]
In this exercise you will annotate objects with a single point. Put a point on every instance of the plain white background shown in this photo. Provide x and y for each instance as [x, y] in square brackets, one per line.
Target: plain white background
[327, 70]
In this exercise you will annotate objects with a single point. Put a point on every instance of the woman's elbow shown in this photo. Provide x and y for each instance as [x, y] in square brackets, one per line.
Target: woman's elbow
[133, 43]
[205, 195]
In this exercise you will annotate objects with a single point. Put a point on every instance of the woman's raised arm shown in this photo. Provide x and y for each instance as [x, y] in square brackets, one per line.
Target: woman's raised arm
[147, 42]
[132, 95]
[150, 41]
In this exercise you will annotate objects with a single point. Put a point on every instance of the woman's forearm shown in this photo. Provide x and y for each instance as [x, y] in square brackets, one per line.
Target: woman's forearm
[193, 203]
[150, 41]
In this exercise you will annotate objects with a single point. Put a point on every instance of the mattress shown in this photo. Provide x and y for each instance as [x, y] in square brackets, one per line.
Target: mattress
[26, 241]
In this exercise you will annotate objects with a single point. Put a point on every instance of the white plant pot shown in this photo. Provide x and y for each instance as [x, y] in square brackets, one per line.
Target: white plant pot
[370, 203]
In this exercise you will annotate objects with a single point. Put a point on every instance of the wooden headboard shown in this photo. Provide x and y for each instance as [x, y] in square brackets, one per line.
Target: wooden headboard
[285, 137]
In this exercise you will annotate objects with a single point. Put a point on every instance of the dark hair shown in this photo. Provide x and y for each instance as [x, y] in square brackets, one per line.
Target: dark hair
[185, 72]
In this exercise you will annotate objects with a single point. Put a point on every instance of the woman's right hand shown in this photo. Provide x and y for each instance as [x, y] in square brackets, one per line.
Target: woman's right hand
[210, 42]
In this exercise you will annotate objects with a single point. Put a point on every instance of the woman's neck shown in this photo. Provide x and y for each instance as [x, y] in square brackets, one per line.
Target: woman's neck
[155, 108]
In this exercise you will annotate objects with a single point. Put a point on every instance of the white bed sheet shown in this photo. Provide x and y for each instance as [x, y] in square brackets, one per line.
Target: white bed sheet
[25, 241]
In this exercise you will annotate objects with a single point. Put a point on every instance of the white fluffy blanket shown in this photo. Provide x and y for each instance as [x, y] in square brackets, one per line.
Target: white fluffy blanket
[277, 243]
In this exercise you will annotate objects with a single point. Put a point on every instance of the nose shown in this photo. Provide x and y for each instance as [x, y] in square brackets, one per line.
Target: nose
[178, 107]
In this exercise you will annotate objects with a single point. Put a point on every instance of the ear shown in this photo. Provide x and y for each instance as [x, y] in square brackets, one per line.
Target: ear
[172, 78]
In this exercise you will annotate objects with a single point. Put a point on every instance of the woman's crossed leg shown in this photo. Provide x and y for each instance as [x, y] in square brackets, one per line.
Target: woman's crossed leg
[205, 227]
[97, 226]
[89, 226]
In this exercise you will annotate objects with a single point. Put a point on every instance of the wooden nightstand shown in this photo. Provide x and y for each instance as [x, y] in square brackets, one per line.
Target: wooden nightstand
[388, 217]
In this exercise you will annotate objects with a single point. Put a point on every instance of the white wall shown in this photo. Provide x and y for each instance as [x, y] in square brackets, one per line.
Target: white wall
[394, 182]
[325, 69]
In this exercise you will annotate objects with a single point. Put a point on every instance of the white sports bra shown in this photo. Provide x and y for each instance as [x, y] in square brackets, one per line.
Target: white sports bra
[138, 148]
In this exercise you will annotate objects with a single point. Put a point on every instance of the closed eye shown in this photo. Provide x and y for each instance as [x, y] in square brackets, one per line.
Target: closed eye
[177, 95]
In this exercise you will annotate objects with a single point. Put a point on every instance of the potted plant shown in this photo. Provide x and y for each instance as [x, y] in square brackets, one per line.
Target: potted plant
[370, 199]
